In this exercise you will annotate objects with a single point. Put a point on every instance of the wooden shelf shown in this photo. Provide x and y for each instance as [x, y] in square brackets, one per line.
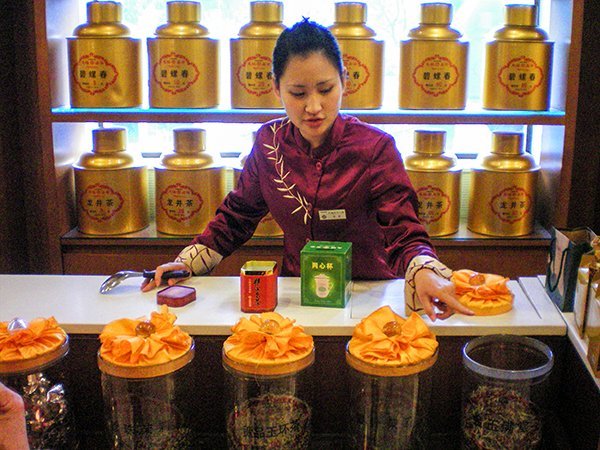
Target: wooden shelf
[471, 115]
[464, 237]
[147, 236]
[87, 254]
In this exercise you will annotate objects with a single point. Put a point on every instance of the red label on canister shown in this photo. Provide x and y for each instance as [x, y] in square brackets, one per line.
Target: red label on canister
[258, 286]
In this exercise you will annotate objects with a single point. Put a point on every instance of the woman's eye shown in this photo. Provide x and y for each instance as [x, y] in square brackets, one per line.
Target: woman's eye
[297, 94]
[326, 91]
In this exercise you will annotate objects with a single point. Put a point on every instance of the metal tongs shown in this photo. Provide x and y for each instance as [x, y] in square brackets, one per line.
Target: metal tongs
[116, 279]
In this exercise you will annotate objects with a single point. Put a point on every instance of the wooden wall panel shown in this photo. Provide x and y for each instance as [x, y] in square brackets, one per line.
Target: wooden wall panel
[13, 240]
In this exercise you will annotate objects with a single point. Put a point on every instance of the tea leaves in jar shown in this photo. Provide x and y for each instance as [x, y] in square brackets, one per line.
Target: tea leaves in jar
[497, 417]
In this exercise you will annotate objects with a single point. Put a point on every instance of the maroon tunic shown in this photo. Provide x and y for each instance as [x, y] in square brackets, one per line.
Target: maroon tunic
[353, 188]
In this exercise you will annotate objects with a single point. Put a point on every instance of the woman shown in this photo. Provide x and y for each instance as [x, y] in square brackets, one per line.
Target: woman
[13, 433]
[325, 177]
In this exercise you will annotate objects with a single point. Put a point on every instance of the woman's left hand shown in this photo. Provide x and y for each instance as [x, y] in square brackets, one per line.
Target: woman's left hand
[436, 292]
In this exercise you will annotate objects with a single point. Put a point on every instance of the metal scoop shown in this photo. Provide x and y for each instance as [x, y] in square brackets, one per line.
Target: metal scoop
[116, 279]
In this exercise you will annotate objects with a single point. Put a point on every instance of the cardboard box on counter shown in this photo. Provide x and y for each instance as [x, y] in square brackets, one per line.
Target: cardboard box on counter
[326, 273]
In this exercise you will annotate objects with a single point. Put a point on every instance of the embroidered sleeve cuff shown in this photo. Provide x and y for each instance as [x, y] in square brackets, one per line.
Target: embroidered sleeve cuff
[199, 258]
[411, 301]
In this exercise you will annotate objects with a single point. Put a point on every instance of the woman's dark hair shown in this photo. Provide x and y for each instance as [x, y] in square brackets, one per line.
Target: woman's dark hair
[302, 39]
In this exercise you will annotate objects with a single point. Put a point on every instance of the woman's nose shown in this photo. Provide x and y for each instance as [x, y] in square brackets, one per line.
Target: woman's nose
[313, 104]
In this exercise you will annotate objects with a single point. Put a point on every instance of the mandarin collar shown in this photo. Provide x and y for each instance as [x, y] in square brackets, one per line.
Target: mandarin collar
[334, 136]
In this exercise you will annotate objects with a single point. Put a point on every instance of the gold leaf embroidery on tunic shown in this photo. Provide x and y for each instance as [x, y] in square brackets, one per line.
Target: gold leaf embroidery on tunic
[290, 191]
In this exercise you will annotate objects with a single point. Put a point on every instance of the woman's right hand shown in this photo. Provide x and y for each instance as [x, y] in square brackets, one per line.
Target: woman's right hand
[150, 283]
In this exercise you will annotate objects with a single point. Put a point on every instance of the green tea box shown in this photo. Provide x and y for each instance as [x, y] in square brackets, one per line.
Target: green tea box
[326, 273]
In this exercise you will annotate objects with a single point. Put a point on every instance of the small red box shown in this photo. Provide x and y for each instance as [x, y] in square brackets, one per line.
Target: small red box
[258, 286]
[176, 296]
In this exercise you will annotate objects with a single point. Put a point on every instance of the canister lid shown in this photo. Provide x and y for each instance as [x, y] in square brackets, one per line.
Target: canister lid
[103, 21]
[36, 364]
[434, 25]
[255, 267]
[428, 155]
[109, 152]
[190, 151]
[182, 12]
[31, 347]
[521, 24]
[350, 18]
[281, 368]
[266, 11]
[268, 344]
[189, 140]
[507, 155]
[507, 143]
[521, 15]
[351, 12]
[103, 12]
[436, 13]
[390, 371]
[109, 140]
[183, 21]
[148, 371]
[266, 21]
[431, 142]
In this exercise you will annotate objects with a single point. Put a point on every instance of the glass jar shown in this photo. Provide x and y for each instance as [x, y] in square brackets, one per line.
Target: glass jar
[40, 382]
[389, 404]
[144, 405]
[268, 406]
[503, 400]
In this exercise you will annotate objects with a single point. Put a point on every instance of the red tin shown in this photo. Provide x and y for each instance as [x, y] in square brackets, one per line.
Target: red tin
[258, 286]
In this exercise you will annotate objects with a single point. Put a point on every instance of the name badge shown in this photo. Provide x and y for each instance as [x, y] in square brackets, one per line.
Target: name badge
[332, 214]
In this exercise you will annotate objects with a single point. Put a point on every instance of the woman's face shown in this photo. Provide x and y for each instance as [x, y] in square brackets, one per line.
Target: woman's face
[311, 91]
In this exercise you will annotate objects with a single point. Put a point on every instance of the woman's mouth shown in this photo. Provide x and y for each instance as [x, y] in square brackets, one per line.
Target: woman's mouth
[314, 123]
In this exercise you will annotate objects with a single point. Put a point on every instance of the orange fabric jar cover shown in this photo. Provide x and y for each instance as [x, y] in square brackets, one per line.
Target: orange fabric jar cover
[485, 294]
[268, 338]
[384, 338]
[143, 342]
[37, 338]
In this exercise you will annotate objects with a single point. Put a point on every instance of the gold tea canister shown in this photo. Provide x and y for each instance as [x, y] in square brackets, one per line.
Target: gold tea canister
[111, 186]
[518, 63]
[189, 186]
[503, 189]
[183, 62]
[435, 177]
[362, 55]
[104, 62]
[433, 62]
[252, 57]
